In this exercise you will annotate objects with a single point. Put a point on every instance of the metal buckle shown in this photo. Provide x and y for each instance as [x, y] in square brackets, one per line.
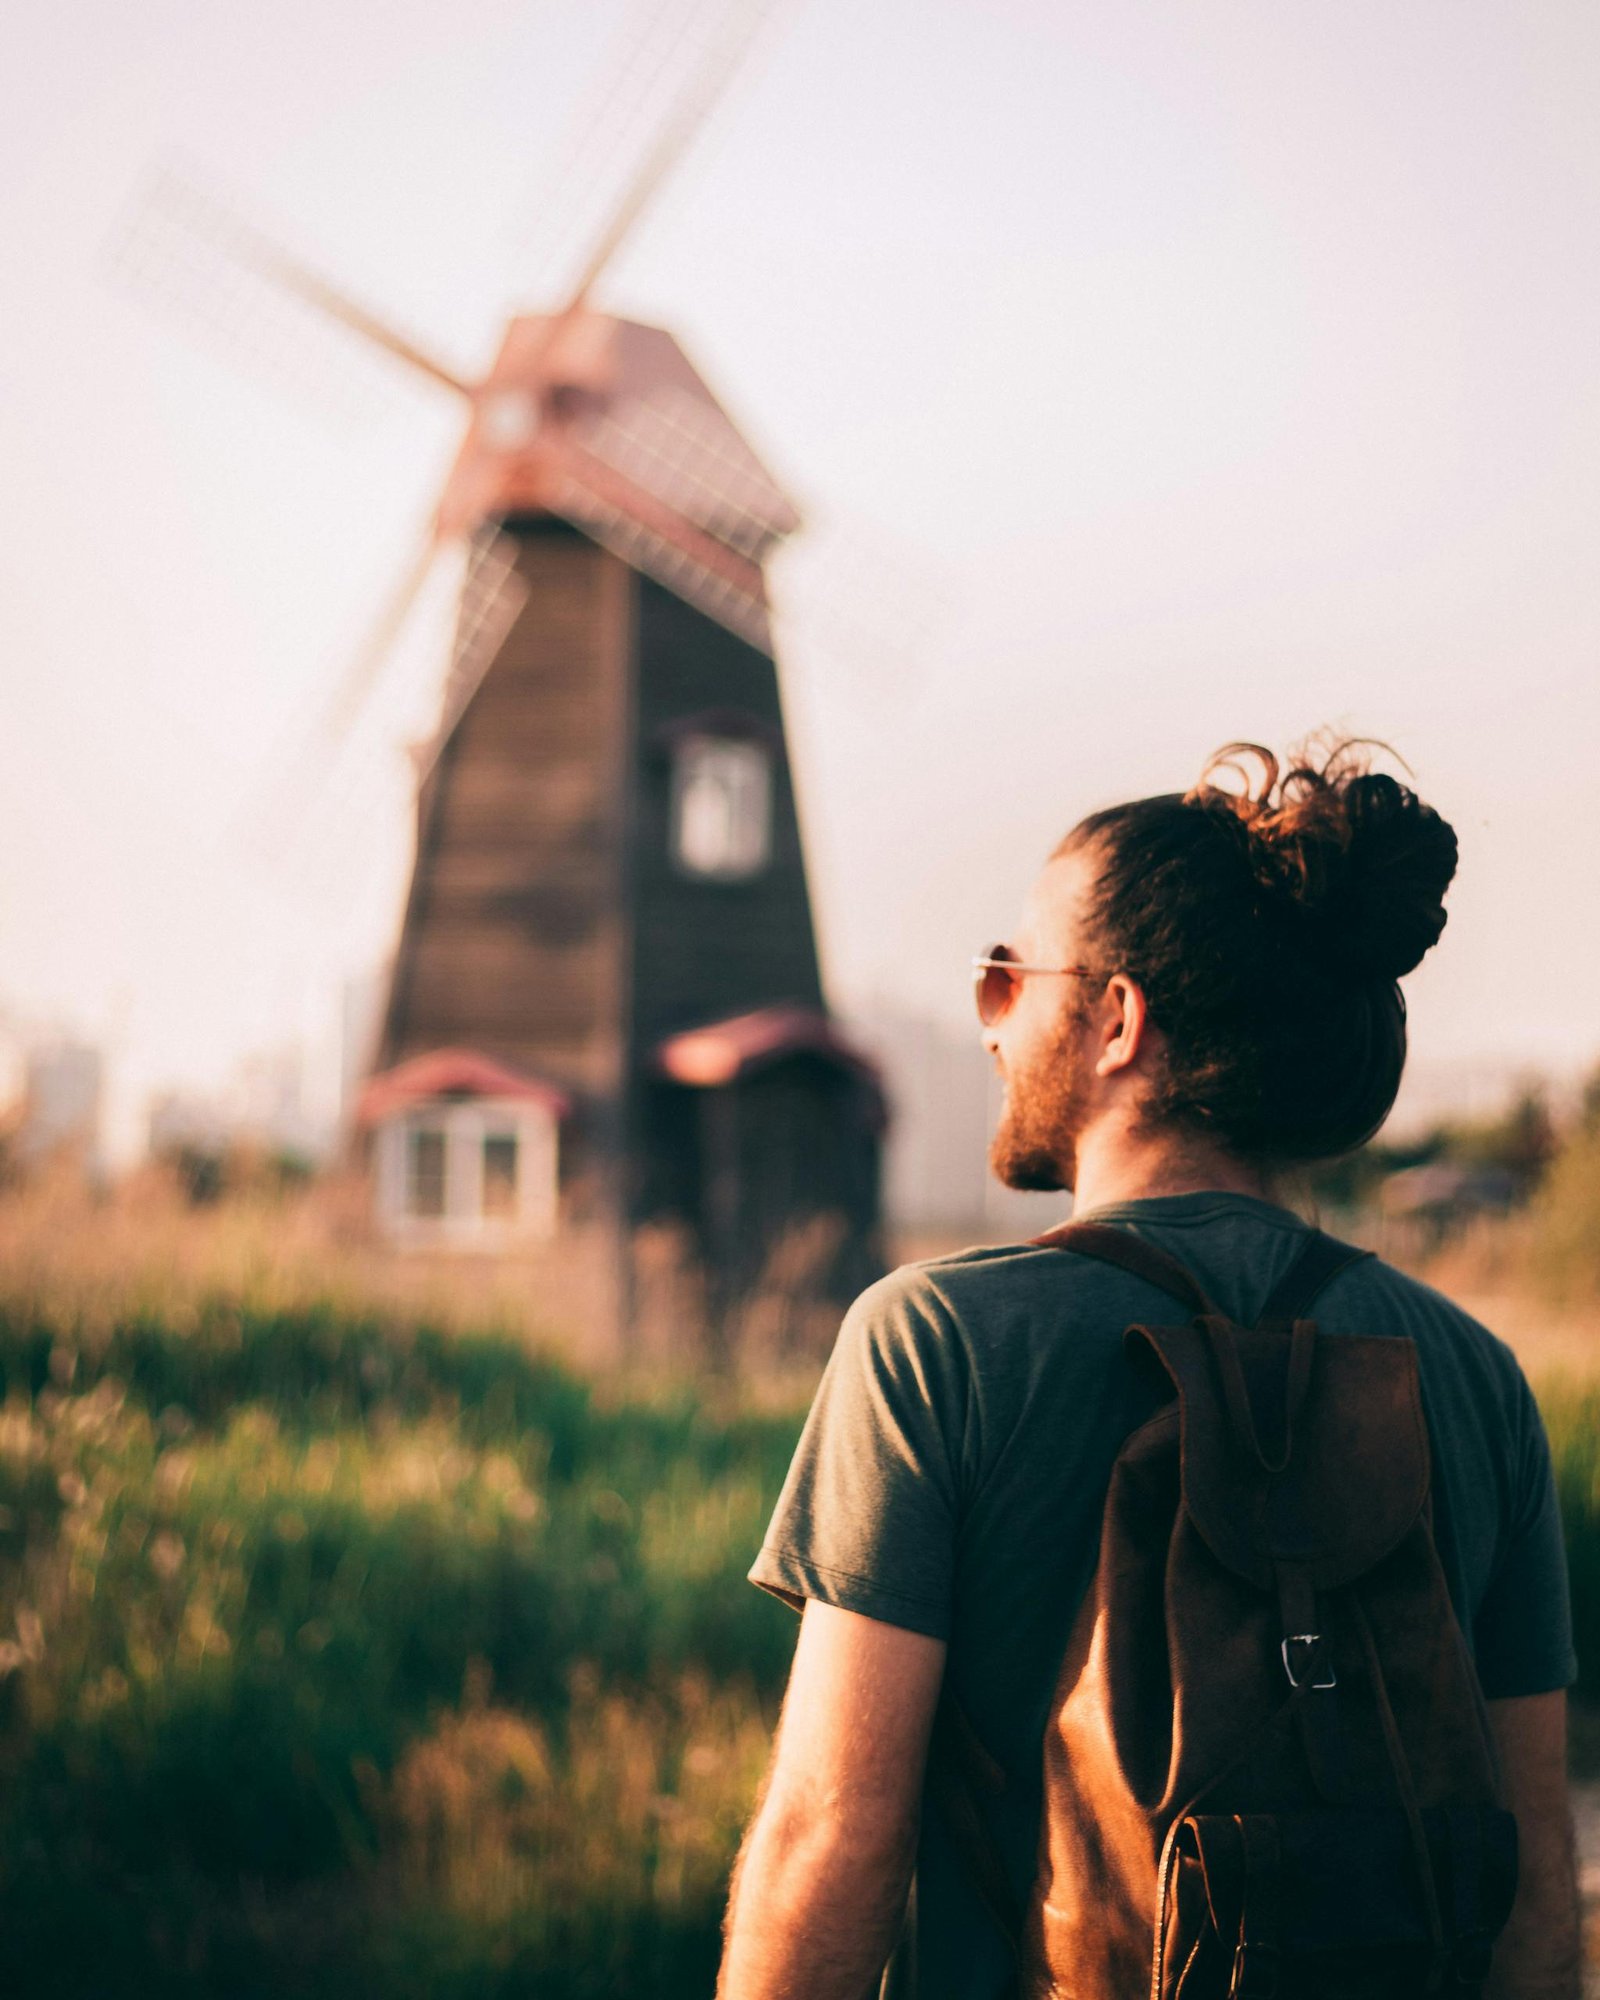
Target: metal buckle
[1255, 1972]
[1312, 1640]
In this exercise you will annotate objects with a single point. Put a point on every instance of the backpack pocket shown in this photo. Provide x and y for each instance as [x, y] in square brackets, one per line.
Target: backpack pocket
[1331, 1903]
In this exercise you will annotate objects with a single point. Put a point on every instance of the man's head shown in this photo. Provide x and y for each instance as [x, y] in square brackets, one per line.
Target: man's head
[1064, 1043]
[1223, 967]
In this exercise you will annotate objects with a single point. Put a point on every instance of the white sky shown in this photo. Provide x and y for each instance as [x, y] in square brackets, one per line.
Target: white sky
[1230, 369]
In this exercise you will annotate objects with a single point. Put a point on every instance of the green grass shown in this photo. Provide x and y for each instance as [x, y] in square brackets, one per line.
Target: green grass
[342, 1654]
[1571, 1411]
[337, 1654]
[1563, 1250]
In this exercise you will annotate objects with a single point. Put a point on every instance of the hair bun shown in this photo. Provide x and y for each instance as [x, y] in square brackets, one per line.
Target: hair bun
[1387, 910]
[1352, 859]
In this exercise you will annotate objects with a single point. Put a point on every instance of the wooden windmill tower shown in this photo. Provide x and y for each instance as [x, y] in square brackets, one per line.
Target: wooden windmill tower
[605, 999]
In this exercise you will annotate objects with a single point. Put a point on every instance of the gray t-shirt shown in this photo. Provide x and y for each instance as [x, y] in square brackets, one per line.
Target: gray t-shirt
[955, 1464]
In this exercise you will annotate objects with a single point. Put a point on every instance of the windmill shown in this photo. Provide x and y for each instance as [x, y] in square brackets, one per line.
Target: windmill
[605, 998]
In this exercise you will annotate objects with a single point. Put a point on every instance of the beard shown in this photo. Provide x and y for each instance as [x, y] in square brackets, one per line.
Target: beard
[1035, 1145]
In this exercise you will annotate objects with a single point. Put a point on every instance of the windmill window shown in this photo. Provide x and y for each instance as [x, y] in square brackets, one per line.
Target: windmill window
[465, 1171]
[721, 807]
[425, 1171]
[500, 1174]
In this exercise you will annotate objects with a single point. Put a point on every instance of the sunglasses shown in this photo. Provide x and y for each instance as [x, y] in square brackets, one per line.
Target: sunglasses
[998, 975]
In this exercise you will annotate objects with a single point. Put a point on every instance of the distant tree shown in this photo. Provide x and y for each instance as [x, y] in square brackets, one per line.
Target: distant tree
[1352, 1181]
[1565, 1219]
[1517, 1143]
[1521, 1140]
[1589, 1102]
[205, 1173]
[200, 1171]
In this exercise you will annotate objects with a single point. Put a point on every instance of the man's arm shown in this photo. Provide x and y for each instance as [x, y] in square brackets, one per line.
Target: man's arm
[820, 1887]
[1540, 1952]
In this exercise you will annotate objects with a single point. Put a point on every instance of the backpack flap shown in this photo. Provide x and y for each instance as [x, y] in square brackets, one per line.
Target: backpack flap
[1346, 1475]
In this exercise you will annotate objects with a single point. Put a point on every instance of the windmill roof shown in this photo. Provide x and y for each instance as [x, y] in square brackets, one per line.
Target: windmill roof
[606, 423]
[657, 402]
[722, 1051]
[452, 1073]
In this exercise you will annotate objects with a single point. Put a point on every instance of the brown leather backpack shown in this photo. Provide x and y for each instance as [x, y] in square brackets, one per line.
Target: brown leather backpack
[1268, 1769]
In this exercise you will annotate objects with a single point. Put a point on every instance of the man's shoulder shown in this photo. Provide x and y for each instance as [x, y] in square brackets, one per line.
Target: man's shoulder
[1375, 1296]
[985, 1296]
[990, 1280]
[947, 1287]
[987, 1292]
[980, 1272]
[1374, 1281]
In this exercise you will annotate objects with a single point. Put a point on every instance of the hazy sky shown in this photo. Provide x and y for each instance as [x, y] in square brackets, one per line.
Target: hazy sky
[1212, 371]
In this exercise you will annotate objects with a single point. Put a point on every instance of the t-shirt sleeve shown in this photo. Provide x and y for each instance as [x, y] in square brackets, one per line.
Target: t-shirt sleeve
[868, 1514]
[1522, 1635]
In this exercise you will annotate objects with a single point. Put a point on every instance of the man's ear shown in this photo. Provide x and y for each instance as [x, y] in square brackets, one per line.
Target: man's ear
[1122, 1024]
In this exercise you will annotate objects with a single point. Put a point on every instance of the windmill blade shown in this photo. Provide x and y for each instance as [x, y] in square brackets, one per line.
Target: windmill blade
[193, 252]
[850, 600]
[660, 96]
[847, 595]
[364, 805]
[643, 87]
[368, 662]
[306, 767]
[688, 453]
[726, 48]
[493, 593]
[649, 535]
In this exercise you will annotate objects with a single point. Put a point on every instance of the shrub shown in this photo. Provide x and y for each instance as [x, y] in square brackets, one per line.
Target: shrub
[1564, 1236]
[238, 1631]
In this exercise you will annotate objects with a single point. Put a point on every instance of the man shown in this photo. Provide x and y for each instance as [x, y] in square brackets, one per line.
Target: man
[1201, 994]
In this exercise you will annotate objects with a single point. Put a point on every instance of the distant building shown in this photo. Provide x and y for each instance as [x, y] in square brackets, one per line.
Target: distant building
[267, 1103]
[62, 1098]
[937, 1083]
[609, 896]
[184, 1121]
[13, 1071]
[1420, 1207]
[465, 1151]
[361, 1003]
[258, 1121]
[945, 1096]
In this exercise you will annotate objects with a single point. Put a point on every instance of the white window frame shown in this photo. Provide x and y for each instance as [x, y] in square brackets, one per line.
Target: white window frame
[466, 1124]
[741, 766]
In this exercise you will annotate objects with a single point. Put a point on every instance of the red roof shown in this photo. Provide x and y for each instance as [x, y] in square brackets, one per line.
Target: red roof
[606, 423]
[452, 1073]
[723, 1050]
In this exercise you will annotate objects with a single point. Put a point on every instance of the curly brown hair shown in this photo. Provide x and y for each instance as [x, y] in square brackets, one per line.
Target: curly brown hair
[1268, 922]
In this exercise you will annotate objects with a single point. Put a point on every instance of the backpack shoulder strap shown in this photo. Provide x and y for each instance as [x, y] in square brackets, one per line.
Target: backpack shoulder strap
[1130, 1253]
[1318, 1262]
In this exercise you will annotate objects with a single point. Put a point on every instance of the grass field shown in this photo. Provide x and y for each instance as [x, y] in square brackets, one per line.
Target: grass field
[349, 1647]
[344, 1650]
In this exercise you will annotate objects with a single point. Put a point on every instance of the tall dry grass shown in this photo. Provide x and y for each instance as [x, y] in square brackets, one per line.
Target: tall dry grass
[140, 1249]
[348, 1643]
[353, 1638]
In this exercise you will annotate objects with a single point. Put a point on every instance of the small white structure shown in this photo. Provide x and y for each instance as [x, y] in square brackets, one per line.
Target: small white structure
[63, 1086]
[465, 1151]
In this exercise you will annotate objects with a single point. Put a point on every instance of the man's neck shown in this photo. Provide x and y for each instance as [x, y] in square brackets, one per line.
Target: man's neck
[1118, 1165]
